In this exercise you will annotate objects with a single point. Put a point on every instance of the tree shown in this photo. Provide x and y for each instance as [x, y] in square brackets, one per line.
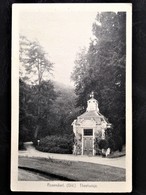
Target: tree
[35, 68]
[47, 97]
[63, 110]
[26, 117]
[102, 69]
[34, 64]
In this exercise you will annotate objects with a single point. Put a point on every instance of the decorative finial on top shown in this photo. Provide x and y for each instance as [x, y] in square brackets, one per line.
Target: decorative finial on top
[92, 94]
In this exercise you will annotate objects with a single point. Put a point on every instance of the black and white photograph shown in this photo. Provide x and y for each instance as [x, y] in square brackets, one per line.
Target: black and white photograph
[71, 97]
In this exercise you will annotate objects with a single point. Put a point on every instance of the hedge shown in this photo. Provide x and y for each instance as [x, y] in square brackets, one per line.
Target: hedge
[56, 144]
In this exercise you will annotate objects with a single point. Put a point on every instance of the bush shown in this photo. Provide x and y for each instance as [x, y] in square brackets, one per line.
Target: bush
[21, 146]
[96, 147]
[116, 154]
[103, 144]
[98, 151]
[115, 141]
[56, 144]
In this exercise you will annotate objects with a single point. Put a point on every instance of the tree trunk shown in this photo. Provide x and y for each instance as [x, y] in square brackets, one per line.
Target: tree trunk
[36, 132]
[38, 114]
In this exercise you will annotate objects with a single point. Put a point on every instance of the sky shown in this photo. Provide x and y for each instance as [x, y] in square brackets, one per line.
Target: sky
[62, 33]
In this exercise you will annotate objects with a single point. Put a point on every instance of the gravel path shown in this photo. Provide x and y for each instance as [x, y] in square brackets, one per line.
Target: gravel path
[32, 152]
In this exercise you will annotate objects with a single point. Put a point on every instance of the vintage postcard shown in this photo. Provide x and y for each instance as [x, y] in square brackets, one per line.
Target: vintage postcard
[71, 97]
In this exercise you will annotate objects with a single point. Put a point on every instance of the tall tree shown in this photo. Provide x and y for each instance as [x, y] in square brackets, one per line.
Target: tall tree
[25, 115]
[34, 69]
[102, 69]
[63, 110]
[34, 64]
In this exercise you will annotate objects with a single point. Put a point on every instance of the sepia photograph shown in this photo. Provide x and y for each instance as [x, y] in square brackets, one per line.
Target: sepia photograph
[71, 97]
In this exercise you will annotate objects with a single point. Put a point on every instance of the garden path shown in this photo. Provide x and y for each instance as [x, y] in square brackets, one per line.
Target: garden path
[32, 152]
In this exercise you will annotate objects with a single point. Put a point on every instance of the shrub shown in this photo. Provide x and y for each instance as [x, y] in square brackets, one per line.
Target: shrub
[56, 144]
[21, 146]
[96, 146]
[115, 141]
[116, 154]
[103, 144]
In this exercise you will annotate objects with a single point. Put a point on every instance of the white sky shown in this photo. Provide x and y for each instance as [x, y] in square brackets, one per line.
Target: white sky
[61, 33]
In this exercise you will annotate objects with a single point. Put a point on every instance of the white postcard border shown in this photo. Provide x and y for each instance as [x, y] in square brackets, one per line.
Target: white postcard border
[53, 186]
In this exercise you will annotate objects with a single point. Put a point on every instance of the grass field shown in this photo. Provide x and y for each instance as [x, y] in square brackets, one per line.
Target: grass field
[24, 175]
[76, 171]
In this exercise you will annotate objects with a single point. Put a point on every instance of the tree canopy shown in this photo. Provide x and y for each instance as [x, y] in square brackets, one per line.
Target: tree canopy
[35, 65]
[48, 108]
[101, 68]
[35, 70]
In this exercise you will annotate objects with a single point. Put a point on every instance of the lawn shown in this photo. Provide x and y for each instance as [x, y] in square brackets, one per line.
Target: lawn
[24, 175]
[75, 171]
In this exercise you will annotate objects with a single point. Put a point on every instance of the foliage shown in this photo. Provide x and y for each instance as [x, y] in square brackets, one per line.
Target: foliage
[56, 114]
[114, 140]
[101, 69]
[21, 146]
[96, 143]
[63, 110]
[56, 144]
[35, 66]
[44, 110]
[35, 70]
[28, 115]
[116, 154]
[103, 144]
[26, 118]
[77, 149]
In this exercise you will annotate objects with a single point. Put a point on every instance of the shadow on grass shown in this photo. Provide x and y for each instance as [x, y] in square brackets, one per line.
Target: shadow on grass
[73, 170]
